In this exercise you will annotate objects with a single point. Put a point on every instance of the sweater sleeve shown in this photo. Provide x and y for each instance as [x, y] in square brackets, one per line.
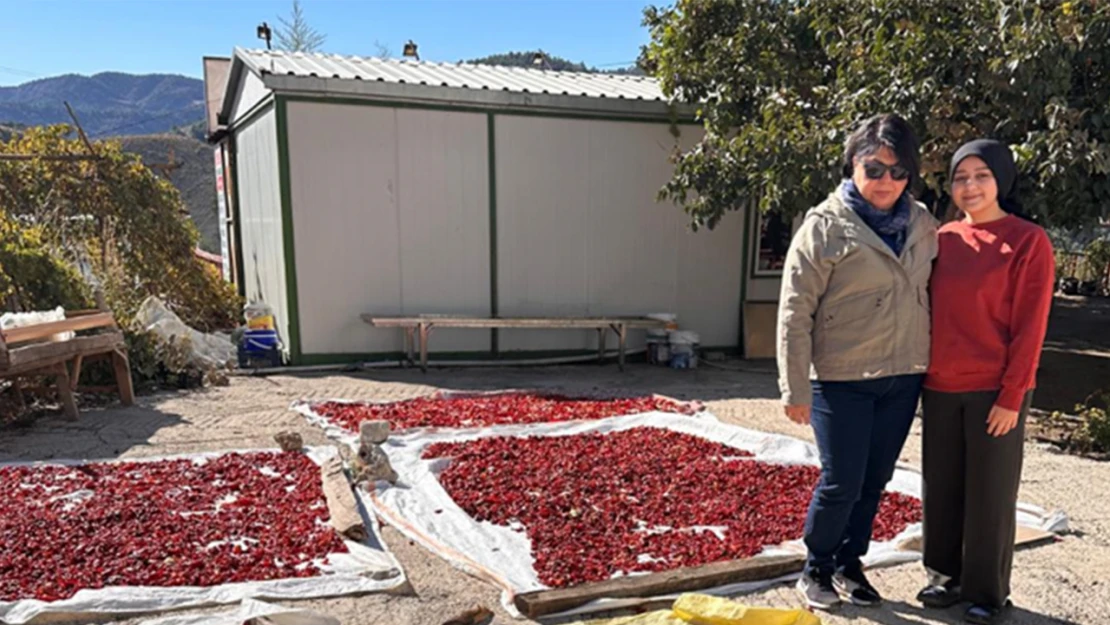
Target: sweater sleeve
[1033, 287]
[804, 279]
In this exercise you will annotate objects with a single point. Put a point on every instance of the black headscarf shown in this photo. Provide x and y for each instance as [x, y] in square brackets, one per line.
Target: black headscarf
[1000, 160]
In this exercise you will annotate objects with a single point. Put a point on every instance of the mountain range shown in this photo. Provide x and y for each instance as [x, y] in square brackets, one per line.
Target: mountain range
[107, 104]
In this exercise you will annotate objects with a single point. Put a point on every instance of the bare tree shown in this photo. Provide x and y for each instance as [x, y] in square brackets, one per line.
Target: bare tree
[295, 35]
[382, 51]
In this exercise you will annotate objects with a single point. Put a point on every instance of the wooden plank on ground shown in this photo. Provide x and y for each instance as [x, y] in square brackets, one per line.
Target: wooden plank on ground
[1026, 537]
[539, 603]
[342, 507]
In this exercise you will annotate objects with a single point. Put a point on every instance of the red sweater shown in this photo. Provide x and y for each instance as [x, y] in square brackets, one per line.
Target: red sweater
[991, 292]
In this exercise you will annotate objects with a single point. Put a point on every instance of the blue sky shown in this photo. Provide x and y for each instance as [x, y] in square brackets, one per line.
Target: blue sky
[40, 38]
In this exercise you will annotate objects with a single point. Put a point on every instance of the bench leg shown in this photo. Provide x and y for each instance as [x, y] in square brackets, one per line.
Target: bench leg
[425, 331]
[622, 335]
[410, 345]
[65, 392]
[601, 334]
[17, 389]
[123, 377]
[76, 374]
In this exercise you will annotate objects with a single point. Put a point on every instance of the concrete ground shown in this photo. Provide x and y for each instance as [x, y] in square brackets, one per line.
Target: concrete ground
[1064, 582]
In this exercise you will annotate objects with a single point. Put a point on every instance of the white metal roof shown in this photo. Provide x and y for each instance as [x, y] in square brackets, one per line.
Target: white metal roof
[460, 75]
[456, 83]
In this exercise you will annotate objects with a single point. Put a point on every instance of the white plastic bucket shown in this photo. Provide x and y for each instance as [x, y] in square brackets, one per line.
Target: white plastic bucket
[684, 337]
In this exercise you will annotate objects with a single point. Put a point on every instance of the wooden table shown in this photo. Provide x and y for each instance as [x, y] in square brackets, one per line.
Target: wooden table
[420, 328]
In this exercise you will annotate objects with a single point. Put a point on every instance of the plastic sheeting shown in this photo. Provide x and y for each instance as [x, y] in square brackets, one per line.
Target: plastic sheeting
[250, 612]
[419, 507]
[206, 351]
[367, 567]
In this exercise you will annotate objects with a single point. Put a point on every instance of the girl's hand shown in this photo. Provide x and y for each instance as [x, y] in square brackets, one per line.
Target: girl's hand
[797, 413]
[1001, 421]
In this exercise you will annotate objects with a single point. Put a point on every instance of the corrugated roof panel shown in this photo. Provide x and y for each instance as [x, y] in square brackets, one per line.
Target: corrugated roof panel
[461, 75]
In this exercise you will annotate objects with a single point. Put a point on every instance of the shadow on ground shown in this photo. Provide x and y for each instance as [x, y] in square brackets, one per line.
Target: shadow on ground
[726, 380]
[102, 433]
[901, 613]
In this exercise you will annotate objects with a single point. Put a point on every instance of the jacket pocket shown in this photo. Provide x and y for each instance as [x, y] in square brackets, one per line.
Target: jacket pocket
[848, 310]
[855, 330]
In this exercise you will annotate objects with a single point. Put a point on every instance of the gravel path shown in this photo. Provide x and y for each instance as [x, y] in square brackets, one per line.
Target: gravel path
[1064, 582]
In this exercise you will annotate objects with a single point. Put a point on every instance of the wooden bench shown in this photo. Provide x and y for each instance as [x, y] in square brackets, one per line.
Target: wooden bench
[420, 327]
[28, 351]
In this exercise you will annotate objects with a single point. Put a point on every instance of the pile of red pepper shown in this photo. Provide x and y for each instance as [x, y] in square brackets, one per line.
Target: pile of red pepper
[492, 409]
[234, 518]
[645, 499]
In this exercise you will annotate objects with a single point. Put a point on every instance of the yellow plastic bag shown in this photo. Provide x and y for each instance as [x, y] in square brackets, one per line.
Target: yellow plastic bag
[694, 609]
[658, 617]
[707, 610]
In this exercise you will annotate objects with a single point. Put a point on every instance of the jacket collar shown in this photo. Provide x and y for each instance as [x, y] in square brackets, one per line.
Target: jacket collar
[854, 227]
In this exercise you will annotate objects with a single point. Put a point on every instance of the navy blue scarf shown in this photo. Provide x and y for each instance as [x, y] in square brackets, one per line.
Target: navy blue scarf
[890, 225]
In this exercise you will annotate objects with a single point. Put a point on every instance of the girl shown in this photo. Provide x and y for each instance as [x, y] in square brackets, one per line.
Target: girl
[991, 293]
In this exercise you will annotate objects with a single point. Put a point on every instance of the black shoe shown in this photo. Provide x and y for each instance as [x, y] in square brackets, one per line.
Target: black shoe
[980, 614]
[940, 597]
[855, 586]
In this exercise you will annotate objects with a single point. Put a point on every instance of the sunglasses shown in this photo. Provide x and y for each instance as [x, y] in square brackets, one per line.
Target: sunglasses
[874, 170]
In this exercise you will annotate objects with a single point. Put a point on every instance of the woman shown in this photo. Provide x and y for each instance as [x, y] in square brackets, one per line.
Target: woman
[853, 346]
[992, 290]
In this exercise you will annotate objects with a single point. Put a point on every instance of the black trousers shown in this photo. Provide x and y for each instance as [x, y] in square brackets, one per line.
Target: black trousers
[971, 482]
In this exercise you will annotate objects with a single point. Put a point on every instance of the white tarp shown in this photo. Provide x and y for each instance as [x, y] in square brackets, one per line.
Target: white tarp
[206, 351]
[367, 567]
[250, 612]
[419, 507]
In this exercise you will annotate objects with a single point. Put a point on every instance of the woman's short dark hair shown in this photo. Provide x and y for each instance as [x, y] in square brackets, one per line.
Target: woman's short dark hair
[890, 131]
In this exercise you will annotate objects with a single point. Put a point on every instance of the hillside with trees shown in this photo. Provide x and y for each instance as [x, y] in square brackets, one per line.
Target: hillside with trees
[108, 104]
[551, 62]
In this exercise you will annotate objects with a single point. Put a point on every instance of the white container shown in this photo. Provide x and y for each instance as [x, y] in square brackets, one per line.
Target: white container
[684, 349]
[659, 353]
[683, 339]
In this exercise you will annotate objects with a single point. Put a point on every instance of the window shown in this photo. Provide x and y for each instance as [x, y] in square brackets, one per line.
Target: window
[773, 240]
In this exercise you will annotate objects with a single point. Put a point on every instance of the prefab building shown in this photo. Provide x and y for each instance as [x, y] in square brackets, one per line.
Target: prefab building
[400, 187]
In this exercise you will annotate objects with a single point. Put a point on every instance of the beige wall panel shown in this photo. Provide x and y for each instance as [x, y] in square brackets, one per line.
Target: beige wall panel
[580, 233]
[390, 213]
[344, 188]
[259, 196]
[444, 210]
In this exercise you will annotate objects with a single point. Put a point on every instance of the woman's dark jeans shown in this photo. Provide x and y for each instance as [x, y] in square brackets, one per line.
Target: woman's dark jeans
[860, 428]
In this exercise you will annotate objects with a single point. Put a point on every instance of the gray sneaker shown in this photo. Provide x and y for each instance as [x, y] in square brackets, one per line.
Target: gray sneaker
[818, 590]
